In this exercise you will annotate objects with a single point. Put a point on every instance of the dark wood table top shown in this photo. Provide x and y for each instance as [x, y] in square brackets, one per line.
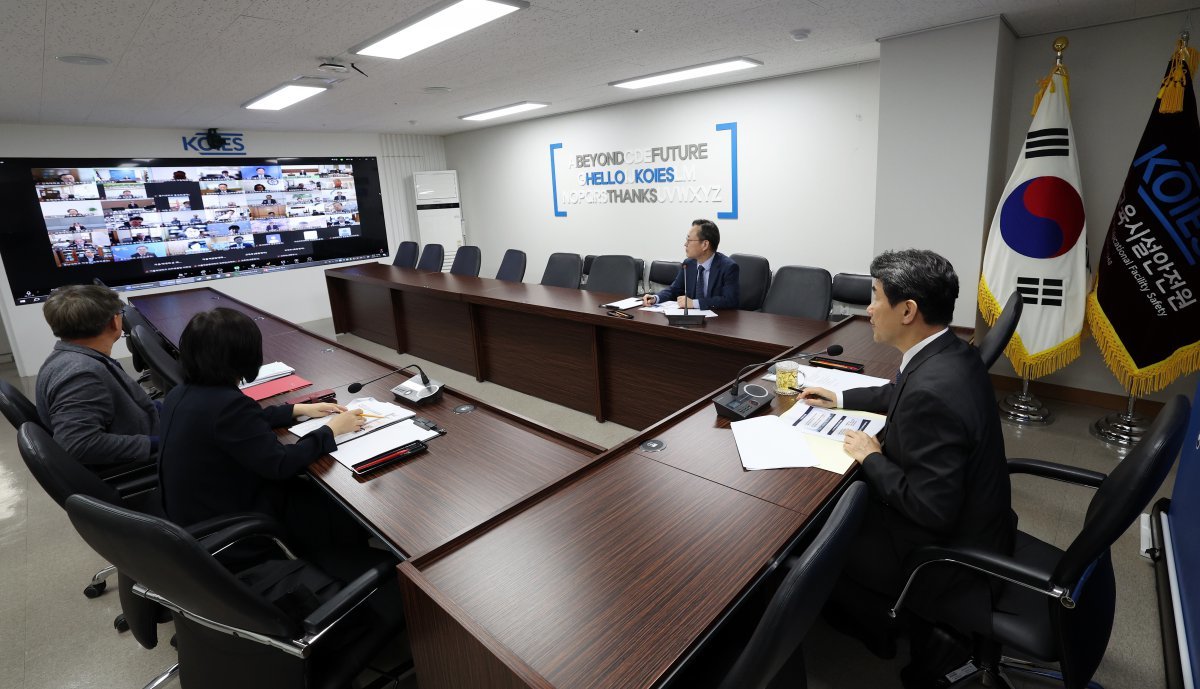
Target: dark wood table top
[488, 460]
[752, 331]
[608, 582]
[610, 577]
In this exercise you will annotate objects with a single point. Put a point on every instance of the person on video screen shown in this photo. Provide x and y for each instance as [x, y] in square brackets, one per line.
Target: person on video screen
[142, 251]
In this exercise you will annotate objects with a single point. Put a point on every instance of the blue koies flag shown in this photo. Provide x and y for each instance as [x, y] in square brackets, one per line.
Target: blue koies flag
[1143, 309]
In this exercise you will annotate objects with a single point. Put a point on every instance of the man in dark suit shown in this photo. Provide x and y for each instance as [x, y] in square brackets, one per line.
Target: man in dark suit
[937, 473]
[712, 277]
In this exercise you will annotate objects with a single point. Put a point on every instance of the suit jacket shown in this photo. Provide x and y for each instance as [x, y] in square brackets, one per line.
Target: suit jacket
[99, 415]
[724, 291]
[220, 455]
[942, 475]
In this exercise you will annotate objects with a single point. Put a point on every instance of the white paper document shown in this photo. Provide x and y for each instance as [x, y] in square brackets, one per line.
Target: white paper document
[830, 423]
[385, 439]
[673, 309]
[833, 379]
[764, 442]
[624, 303]
[271, 371]
[391, 413]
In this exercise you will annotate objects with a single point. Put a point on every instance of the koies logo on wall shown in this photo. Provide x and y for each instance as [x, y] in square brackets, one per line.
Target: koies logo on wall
[699, 172]
[198, 143]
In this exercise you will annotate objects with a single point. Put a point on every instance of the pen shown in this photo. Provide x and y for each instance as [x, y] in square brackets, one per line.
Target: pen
[372, 416]
[407, 449]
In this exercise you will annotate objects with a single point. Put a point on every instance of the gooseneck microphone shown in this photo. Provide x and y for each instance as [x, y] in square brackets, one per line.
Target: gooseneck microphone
[355, 387]
[685, 318]
[743, 401]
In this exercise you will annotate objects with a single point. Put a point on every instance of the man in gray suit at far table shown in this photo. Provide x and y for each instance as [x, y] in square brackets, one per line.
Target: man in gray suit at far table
[95, 411]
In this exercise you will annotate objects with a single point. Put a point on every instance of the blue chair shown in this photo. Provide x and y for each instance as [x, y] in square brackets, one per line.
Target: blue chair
[431, 258]
[512, 266]
[406, 255]
[466, 261]
[563, 270]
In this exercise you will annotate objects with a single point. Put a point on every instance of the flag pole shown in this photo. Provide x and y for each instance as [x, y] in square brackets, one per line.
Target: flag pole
[1024, 408]
[1124, 429]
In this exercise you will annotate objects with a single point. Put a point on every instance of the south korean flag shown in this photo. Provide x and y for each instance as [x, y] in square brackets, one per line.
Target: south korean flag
[1037, 245]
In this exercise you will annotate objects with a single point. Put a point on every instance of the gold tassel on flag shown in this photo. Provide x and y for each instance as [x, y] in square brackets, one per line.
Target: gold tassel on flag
[1170, 94]
[1047, 83]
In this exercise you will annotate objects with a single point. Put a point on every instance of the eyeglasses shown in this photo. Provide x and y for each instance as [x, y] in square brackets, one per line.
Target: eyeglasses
[689, 239]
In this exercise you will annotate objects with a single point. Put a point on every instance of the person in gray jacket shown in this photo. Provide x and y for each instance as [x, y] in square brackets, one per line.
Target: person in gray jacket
[99, 415]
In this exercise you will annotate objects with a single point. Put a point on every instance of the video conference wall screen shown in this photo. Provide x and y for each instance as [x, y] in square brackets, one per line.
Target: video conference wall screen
[139, 223]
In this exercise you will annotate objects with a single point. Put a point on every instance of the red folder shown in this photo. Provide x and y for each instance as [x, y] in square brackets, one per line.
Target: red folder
[275, 387]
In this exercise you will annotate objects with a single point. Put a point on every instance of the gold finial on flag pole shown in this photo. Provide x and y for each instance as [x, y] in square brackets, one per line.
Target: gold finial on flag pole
[1170, 94]
[1060, 44]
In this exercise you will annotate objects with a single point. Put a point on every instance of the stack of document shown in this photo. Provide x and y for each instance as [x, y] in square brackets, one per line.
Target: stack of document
[271, 371]
[804, 436]
[672, 308]
[624, 303]
[392, 429]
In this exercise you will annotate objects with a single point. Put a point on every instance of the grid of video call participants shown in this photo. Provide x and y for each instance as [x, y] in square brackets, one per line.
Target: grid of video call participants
[101, 215]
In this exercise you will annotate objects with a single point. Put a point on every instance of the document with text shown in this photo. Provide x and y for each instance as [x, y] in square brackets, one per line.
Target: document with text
[381, 414]
[830, 423]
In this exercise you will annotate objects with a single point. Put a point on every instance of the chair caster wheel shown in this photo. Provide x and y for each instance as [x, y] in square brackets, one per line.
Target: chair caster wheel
[121, 624]
[94, 590]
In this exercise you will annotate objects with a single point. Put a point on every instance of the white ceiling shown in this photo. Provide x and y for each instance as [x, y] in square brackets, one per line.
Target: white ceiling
[192, 63]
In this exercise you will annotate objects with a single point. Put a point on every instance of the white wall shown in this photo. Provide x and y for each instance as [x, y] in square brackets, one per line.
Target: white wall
[1115, 74]
[806, 170]
[297, 295]
[939, 107]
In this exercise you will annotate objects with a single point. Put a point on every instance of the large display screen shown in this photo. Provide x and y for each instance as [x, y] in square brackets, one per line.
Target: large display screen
[138, 223]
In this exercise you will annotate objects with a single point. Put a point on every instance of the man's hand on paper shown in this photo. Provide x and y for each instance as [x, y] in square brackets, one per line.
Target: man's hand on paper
[860, 445]
[819, 397]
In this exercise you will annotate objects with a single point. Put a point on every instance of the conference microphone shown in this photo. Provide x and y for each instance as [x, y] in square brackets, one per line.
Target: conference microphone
[743, 401]
[426, 391]
[685, 319]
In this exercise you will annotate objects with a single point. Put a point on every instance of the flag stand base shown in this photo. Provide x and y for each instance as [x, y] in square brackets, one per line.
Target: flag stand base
[1024, 409]
[1124, 429]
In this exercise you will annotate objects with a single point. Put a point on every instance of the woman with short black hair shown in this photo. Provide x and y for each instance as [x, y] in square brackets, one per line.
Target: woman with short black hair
[220, 454]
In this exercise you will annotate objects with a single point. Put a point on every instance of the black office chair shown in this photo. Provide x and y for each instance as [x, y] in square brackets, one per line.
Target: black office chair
[563, 270]
[613, 274]
[850, 289]
[992, 345]
[164, 368]
[280, 623]
[754, 277]
[1055, 605]
[662, 274]
[16, 407]
[466, 261]
[512, 266]
[406, 255]
[432, 257]
[587, 267]
[130, 316]
[640, 263]
[800, 291]
[773, 656]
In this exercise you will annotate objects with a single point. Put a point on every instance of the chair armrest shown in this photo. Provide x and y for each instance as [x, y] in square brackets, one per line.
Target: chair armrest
[133, 483]
[1058, 472]
[992, 564]
[221, 532]
[354, 593]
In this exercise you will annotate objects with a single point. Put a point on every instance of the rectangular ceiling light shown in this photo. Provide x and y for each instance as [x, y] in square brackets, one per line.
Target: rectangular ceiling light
[694, 72]
[501, 112]
[436, 24]
[282, 97]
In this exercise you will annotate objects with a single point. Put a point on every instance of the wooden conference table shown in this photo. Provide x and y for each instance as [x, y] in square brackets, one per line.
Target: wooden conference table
[556, 343]
[488, 460]
[577, 570]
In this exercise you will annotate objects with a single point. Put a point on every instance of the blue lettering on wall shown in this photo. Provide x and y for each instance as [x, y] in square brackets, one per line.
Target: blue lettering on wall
[234, 144]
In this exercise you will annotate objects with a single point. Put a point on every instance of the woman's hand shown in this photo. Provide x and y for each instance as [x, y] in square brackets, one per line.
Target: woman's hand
[346, 422]
[317, 410]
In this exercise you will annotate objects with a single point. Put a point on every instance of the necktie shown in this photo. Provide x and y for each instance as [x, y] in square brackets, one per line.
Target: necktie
[700, 283]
